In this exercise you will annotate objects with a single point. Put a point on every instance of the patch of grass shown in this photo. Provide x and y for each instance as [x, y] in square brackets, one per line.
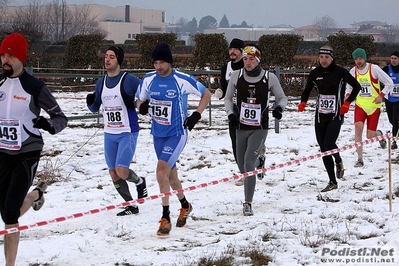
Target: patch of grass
[224, 151]
[223, 261]
[258, 257]
[351, 217]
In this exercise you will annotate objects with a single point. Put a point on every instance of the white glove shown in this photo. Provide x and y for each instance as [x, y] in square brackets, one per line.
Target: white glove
[218, 93]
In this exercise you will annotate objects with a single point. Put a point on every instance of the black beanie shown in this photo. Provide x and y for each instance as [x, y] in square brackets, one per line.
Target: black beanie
[118, 53]
[237, 43]
[162, 52]
[396, 53]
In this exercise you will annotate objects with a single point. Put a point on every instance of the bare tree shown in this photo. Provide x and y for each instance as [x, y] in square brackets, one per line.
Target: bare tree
[325, 23]
[28, 20]
[84, 21]
[392, 33]
[55, 21]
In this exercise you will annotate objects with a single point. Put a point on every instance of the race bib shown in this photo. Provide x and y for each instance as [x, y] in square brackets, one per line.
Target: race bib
[395, 91]
[366, 90]
[160, 111]
[250, 114]
[10, 134]
[113, 116]
[326, 104]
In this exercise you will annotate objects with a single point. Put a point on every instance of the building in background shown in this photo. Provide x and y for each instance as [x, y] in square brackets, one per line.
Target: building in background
[250, 34]
[125, 22]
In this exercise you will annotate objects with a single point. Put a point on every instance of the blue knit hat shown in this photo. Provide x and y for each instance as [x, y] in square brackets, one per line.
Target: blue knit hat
[162, 52]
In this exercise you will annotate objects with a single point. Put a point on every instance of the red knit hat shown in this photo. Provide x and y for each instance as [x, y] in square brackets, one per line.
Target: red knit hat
[15, 44]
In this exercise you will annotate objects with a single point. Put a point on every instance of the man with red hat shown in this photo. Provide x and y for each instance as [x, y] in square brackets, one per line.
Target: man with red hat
[21, 98]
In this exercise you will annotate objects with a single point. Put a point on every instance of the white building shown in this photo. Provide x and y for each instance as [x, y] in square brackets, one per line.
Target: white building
[249, 34]
[124, 22]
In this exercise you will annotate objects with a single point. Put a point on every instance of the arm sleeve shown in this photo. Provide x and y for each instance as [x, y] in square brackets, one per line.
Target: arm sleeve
[131, 85]
[223, 81]
[348, 86]
[354, 84]
[231, 87]
[97, 101]
[275, 87]
[47, 102]
[308, 88]
[383, 78]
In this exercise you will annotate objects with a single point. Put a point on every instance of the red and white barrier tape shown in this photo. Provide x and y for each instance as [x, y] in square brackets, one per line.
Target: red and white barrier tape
[190, 188]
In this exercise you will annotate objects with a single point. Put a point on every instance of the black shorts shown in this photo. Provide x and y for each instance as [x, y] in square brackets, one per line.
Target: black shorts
[16, 177]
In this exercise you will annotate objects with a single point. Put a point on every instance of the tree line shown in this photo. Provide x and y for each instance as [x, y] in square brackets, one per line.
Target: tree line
[83, 50]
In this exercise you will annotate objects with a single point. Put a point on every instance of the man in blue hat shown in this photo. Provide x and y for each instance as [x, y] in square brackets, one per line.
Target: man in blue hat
[163, 94]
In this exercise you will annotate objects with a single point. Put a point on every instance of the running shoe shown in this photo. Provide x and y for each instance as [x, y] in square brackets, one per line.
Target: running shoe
[240, 181]
[129, 210]
[261, 160]
[164, 228]
[359, 163]
[383, 142]
[340, 170]
[181, 221]
[330, 187]
[41, 188]
[394, 146]
[247, 209]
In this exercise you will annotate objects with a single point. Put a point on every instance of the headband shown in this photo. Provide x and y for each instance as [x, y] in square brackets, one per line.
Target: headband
[326, 51]
[252, 50]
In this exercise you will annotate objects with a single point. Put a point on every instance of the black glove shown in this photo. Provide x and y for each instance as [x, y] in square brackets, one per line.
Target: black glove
[233, 120]
[90, 98]
[278, 112]
[192, 120]
[43, 123]
[143, 110]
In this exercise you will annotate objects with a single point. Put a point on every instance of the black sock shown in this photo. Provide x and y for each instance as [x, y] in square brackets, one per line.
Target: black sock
[166, 212]
[184, 203]
[123, 189]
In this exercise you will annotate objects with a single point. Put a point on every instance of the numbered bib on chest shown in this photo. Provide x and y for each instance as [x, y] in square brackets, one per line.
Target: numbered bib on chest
[114, 116]
[366, 90]
[326, 104]
[161, 111]
[10, 134]
[250, 114]
[395, 91]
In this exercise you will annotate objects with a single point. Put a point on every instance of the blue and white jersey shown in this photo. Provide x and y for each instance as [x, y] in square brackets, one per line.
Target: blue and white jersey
[168, 100]
[393, 96]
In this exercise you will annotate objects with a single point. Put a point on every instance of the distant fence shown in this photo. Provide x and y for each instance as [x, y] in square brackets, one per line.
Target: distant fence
[286, 77]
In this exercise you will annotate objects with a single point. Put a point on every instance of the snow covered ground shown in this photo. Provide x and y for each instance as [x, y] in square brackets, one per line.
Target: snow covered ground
[292, 220]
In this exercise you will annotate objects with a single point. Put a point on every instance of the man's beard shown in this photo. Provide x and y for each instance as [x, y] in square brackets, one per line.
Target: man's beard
[8, 72]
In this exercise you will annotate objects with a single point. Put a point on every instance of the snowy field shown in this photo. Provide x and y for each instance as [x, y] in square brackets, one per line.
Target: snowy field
[292, 220]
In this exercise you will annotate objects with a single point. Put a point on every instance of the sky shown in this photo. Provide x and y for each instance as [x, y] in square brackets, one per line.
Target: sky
[267, 12]
[293, 222]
